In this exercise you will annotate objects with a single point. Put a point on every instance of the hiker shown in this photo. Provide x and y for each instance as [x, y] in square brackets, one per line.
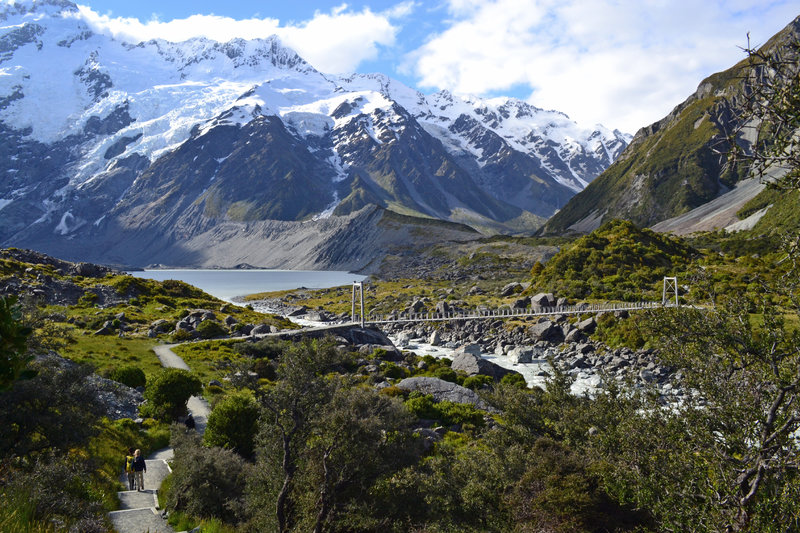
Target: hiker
[189, 421]
[129, 468]
[139, 468]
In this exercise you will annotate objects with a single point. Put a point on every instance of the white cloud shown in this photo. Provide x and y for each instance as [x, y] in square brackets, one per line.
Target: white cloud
[621, 63]
[333, 42]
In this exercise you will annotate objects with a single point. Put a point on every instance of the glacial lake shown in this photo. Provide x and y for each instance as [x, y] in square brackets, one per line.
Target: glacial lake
[226, 284]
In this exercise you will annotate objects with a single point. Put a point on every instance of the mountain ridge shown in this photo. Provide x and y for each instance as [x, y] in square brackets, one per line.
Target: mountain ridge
[675, 165]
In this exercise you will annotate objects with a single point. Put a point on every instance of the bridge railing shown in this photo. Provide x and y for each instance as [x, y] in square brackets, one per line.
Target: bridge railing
[508, 312]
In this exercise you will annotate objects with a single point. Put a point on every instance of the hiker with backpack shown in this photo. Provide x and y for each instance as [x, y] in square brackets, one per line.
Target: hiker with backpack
[139, 468]
[129, 459]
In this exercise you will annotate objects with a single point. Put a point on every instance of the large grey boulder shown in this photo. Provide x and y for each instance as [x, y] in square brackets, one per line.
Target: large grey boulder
[444, 390]
[544, 299]
[473, 364]
[587, 326]
[546, 331]
[512, 288]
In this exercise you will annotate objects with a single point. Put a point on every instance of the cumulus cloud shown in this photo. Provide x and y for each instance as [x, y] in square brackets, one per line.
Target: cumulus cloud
[623, 63]
[334, 42]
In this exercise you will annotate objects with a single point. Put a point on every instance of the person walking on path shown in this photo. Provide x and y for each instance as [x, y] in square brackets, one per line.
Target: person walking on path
[129, 459]
[139, 468]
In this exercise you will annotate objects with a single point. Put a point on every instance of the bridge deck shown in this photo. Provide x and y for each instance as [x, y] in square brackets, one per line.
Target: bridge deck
[512, 313]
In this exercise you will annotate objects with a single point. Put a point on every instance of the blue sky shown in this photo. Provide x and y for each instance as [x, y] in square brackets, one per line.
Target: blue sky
[621, 63]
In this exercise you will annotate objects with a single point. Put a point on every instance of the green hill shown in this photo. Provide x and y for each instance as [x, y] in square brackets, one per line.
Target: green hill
[673, 165]
[617, 261]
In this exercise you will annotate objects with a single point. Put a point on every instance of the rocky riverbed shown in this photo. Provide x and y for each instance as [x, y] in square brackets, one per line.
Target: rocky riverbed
[528, 348]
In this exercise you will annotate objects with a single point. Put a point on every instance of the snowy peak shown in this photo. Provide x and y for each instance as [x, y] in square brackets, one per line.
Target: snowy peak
[175, 139]
[35, 8]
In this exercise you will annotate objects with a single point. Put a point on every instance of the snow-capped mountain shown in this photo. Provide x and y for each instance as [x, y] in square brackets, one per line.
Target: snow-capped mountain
[114, 151]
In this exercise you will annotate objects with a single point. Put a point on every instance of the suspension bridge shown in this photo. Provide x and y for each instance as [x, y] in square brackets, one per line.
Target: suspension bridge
[669, 298]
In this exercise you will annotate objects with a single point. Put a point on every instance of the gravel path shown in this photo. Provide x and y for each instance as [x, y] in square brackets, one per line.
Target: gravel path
[139, 511]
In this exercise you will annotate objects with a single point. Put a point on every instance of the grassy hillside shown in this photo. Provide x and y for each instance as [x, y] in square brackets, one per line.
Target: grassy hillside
[672, 166]
[618, 261]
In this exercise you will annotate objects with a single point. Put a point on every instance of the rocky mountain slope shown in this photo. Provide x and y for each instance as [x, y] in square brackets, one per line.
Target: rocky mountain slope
[140, 153]
[676, 164]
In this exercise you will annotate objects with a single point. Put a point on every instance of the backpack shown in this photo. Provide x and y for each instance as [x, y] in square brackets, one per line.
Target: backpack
[129, 463]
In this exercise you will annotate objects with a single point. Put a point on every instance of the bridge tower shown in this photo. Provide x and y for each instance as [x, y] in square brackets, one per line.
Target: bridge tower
[360, 286]
[669, 292]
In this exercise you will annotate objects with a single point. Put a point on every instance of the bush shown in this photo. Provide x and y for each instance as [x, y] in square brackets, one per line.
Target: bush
[132, 376]
[208, 329]
[446, 373]
[478, 381]
[181, 335]
[391, 370]
[206, 482]
[517, 380]
[233, 424]
[268, 348]
[168, 392]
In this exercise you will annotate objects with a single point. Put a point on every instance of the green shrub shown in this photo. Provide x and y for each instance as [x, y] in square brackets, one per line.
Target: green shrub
[181, 335]
[205, 482]
[446, 373]
[391, 370]
[233, 424]
[269, 348]
[516, 380]
[168, 392]
[478, 381]
[208, 329]
[132, 376]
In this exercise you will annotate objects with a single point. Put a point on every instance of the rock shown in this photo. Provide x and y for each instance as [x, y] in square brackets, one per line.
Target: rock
[298, 312]
[260, 329]
[246, 329]
[229, 321]
[444, 390]
[587, 326]
[521, 303]
[511, 288]
[473, 364]
[435, 339]
[521, 354]
[546, 331]
[575, 336]
[416, 307]
[472, 349]
[104, 331]
[214, 383]
[544, 299]
[160, 326]
[443, 308]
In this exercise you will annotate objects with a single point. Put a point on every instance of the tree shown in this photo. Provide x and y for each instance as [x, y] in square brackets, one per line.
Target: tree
[301, 390]
[772, 109]
[727, 455]
[233, 424]
[168, 392]
[14, 335]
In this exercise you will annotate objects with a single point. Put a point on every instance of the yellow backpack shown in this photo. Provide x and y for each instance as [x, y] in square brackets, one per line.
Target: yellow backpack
[129, 463]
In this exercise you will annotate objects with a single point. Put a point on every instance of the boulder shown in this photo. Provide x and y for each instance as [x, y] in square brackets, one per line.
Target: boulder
[544, 299]
[435, 338]
[521, 354]
[511, 288]
[260, 329]
[443, 308]
[444, 390]
[546, 331]
[587, 326]
[472, 364]
[229, 320]
[521, 303]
